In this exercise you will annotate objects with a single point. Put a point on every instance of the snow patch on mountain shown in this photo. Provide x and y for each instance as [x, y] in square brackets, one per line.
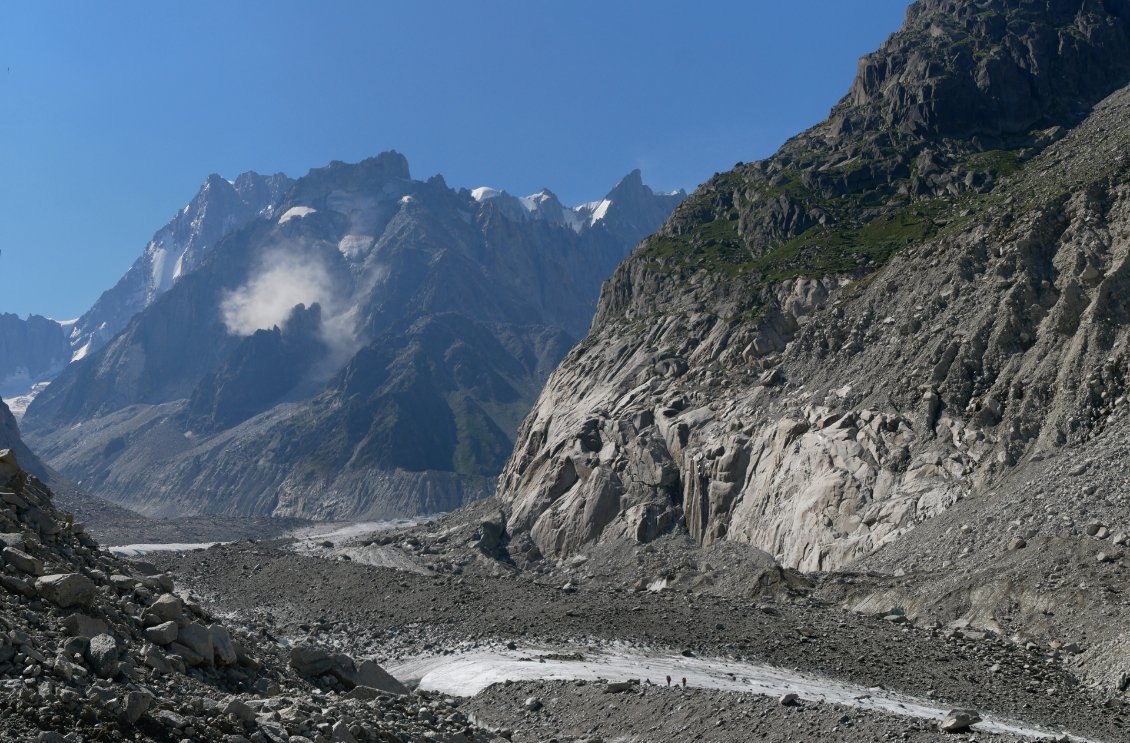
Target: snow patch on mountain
[295, 211]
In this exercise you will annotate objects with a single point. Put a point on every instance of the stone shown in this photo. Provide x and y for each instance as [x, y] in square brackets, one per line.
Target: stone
[171, 719]
[162, 634]
[364, 693]
[22, 561]
[83, 625]
[102, 654]
[190, 656]
[14, 540]
[1016, 543]
[222, 646]
[135, 704]
[17, 585]
[789, 699]
[959, 720]
[123, 582]
[67, 589]
[156, 660]
[533, 704]
[340, 733]
[42, 522]
[166, 608]
[372, 675]
[197, 638]
[239, 709]
[310, 661]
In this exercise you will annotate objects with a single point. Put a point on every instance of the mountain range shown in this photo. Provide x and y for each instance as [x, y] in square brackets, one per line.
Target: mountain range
[351, 343]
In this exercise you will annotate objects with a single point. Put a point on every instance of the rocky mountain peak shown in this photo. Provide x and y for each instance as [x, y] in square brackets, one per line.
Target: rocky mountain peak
[218, 208]
[959, 98]
[368, 176]
[964, 68]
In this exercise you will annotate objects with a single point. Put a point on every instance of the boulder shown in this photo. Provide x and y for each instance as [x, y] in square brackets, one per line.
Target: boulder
[102, 654]
[197, 638]
[42, 522]
[83, 625]
[310, 661]
[162, 634]
[959, 720]
[22, 561]
[190, 656]
[222, 646]
[67, 589]
[239, 710]
[13, 539]
[135, 704]
[370, 674]
[167, 608]
[17, 585]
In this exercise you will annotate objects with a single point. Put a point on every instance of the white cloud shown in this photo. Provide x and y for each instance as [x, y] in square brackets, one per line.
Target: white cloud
[266, 300]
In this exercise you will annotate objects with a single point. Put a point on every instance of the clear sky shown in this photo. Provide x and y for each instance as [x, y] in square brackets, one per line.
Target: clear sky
[112, 114]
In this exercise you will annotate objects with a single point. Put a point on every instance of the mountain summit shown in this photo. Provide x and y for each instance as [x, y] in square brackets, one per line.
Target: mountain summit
[219, 207]
[366, 345]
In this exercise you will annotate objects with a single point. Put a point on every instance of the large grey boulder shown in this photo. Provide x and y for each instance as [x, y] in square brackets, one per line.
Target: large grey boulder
[162, 634]
[166, 608]
[22, 561]
[102, 654]
[83, 625]
[222, 646]
[198, 639]
[135, 703]
[310, 661]
[959, 720]
[371, 675]
[67, 589]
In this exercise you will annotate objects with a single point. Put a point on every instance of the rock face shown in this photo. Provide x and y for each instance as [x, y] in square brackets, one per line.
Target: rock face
[31, 350]
[35, 350]
[820, 351]
[219, 208]
[367, 348]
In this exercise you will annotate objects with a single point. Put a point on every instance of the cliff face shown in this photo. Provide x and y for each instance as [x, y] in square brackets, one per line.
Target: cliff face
[821, 350]
[31, 350]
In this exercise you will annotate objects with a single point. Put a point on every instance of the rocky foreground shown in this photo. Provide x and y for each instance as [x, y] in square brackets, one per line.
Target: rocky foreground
[444, 595]
[98, 649]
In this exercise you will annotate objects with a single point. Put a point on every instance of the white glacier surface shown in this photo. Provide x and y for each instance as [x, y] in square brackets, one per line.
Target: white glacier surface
[466, 674]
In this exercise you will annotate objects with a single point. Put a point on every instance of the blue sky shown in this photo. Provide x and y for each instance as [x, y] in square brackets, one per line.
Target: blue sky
[112, 114]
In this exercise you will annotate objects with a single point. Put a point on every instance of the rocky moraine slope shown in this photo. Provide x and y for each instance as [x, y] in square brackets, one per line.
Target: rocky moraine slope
[920, 302]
